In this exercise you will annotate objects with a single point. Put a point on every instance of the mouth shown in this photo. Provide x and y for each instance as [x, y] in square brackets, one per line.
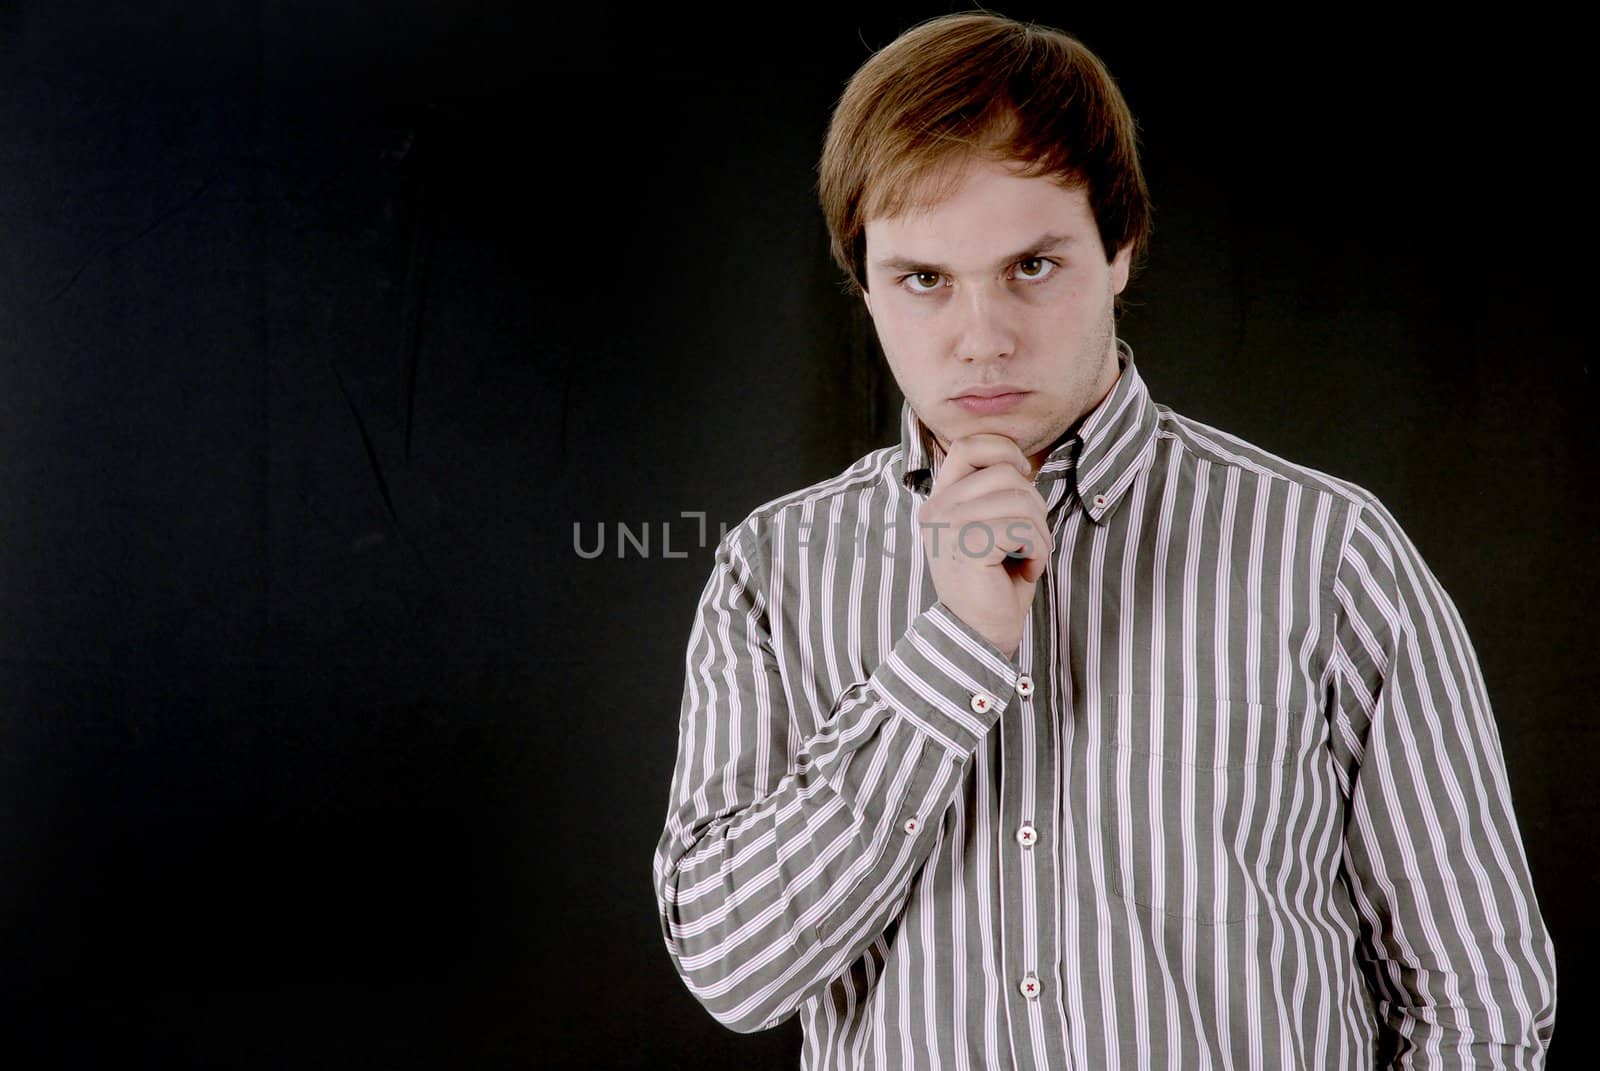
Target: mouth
[988, 400]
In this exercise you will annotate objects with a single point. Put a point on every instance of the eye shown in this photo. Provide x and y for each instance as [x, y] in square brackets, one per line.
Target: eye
[922, 282]
[1035, 268]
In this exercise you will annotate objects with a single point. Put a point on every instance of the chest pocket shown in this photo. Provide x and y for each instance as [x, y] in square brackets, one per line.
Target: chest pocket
[1194, 797]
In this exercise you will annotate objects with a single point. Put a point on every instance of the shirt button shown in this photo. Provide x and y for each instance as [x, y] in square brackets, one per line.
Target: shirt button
[1030, 987]
[981, 703]
[912, 825]
[1099, 501]
[1024, 685]
[1027, 836]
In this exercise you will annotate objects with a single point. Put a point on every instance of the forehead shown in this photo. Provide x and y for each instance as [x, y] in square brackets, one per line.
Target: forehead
[979, 206]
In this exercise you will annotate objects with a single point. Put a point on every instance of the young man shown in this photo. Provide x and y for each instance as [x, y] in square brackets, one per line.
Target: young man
[1070, 732]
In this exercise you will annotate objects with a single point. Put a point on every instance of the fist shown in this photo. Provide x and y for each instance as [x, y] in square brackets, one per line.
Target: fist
[985, 535]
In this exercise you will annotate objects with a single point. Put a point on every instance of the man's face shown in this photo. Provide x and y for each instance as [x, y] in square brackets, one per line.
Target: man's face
[1004, 284]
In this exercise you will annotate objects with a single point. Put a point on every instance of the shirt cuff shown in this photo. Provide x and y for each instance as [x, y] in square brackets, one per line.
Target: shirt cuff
[946, 679]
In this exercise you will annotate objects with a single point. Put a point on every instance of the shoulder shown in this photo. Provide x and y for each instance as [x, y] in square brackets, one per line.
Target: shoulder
[1360, 517]
[1227, 450]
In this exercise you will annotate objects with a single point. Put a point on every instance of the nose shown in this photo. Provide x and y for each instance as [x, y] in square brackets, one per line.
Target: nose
[985, 330]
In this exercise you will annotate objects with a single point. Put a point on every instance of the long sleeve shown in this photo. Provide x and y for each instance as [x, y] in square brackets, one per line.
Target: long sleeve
[1456, 953]
[783, 858]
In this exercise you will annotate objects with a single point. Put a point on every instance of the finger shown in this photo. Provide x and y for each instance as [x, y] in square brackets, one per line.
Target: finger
[980, 482]
[1028, 538]
[1028, 569]
[979, 450]
[991, 531]
[997, 508]
[1017, 540]
[1033, 568]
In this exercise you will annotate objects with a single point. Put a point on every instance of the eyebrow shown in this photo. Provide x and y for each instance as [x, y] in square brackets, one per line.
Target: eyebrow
[1043, 244]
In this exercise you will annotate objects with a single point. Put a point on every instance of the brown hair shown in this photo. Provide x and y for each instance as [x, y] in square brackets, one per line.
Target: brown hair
[978, 84]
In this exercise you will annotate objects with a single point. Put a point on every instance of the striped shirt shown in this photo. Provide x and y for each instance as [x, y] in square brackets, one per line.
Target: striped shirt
[1237, 802]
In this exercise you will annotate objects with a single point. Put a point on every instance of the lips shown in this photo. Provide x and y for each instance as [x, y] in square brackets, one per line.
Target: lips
[992, 391]
[990, 401]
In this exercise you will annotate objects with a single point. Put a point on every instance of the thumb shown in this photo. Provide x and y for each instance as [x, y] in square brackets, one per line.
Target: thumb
[1032, 569]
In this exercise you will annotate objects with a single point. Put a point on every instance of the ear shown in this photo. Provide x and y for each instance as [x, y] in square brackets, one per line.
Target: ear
[867, 298]
[1119, 268]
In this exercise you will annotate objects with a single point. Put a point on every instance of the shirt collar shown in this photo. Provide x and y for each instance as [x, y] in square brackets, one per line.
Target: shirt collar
[1101, 455]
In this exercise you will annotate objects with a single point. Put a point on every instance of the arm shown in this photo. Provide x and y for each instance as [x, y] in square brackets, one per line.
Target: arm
[1456, 953]
[772, 876]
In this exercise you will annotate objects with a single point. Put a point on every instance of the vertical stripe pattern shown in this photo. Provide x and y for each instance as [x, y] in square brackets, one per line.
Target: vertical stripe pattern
[1237, 802]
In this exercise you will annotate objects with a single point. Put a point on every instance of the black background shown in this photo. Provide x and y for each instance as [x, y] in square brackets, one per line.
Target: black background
[323, 324]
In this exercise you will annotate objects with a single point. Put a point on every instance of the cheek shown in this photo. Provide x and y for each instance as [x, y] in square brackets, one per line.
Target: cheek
[901, 335]
[1071, 307]
[908, 348]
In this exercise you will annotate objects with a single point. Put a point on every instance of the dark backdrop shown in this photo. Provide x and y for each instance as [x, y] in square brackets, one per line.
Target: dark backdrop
[322, 324]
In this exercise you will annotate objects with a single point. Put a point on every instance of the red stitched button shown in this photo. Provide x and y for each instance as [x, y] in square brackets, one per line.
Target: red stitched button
[1027, 836]
[1024, 685]
[1030, 987]
[981, 703]
[912, 825]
